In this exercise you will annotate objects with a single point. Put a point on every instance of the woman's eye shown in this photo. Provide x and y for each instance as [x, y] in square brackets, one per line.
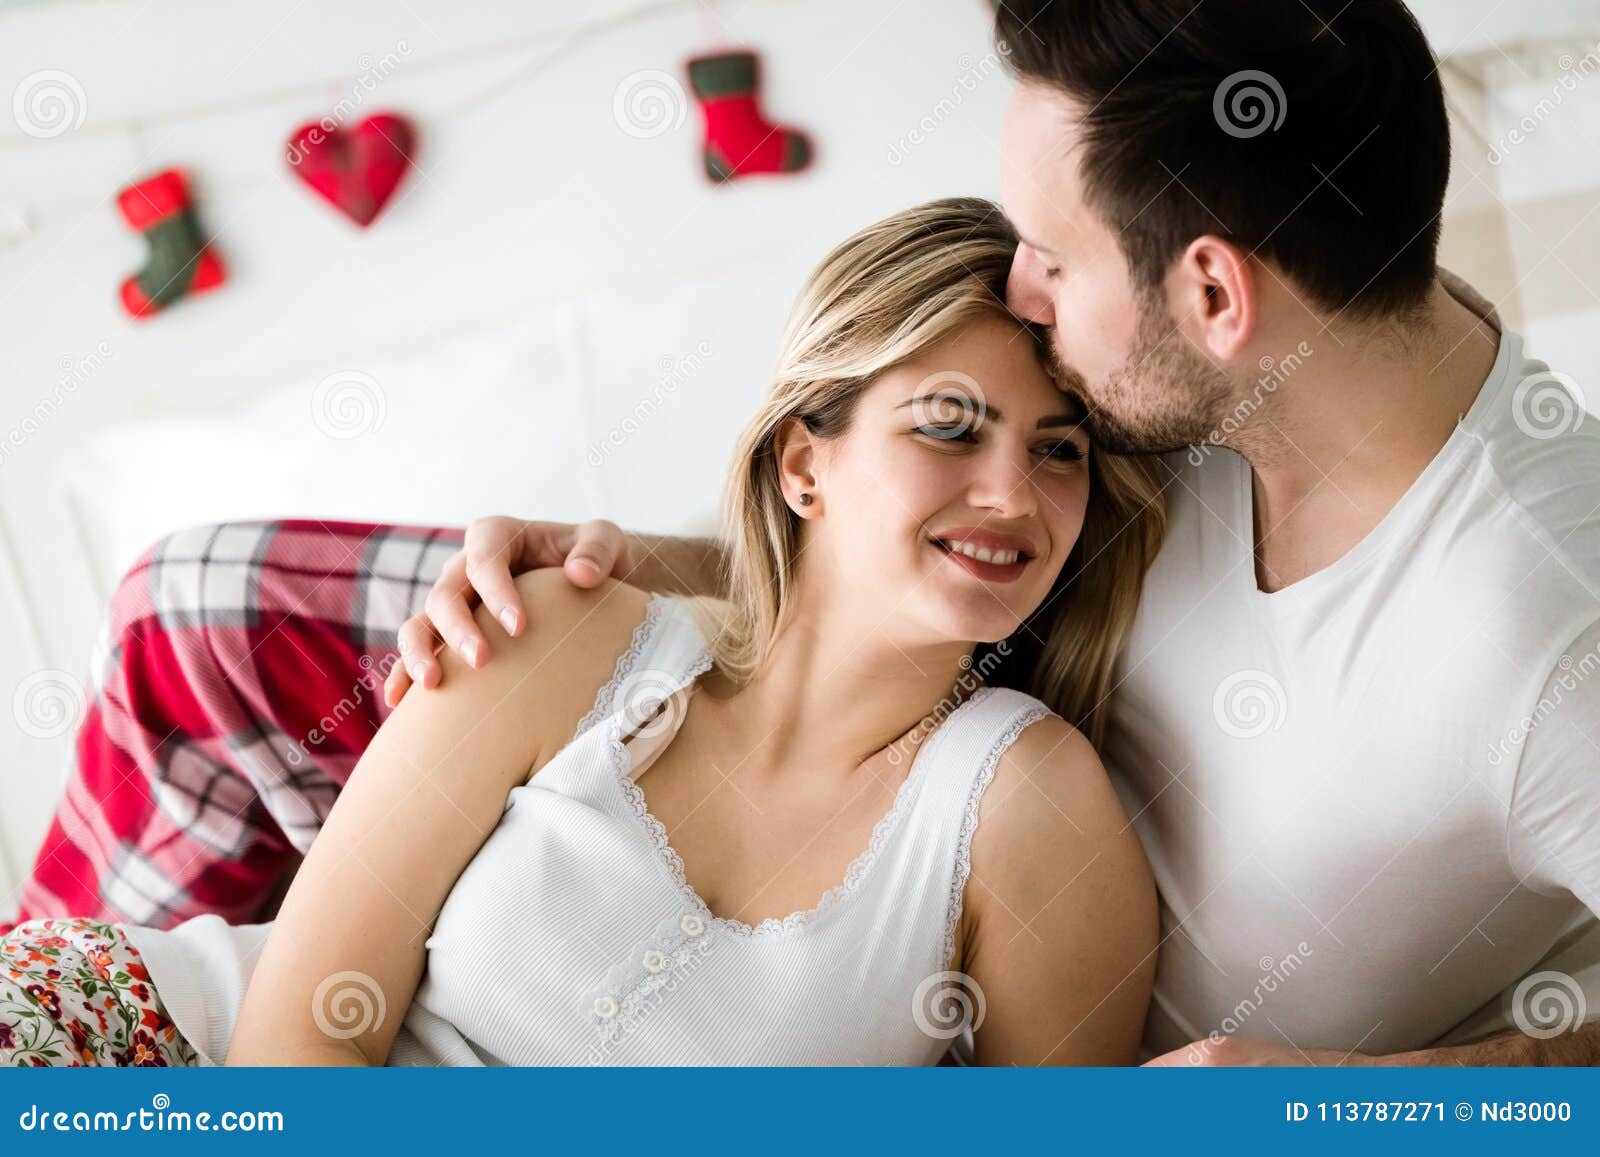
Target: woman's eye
[1052, 274]
[958, 432]
[1063, 452]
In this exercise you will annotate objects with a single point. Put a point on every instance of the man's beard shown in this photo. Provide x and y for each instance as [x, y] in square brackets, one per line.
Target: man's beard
[1164, 397]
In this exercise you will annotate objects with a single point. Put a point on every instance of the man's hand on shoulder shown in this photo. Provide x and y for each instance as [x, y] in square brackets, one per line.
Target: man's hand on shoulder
[495, 551]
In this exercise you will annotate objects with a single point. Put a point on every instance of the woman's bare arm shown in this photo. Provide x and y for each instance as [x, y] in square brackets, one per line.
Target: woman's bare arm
[421, 801]
[1059, 922]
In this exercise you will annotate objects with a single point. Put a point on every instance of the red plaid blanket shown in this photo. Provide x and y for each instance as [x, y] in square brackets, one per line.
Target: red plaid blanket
[235, 684]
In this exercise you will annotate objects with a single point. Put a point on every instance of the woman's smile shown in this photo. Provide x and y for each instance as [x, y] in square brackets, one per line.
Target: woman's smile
[986, 555]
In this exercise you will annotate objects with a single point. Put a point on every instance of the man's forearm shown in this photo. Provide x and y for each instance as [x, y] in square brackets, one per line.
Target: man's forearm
[1511, 1048]
[686, 566]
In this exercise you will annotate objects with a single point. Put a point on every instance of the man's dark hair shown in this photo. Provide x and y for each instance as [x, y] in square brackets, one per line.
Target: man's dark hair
[1310, 132]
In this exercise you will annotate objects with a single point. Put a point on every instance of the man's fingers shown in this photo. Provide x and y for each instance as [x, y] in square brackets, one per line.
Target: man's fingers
[396, 683]
[448, 608]
[488, 569]
[417, 646]
[595, 550]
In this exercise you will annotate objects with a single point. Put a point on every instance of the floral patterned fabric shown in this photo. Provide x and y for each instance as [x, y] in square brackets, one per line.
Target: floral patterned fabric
[73, 993]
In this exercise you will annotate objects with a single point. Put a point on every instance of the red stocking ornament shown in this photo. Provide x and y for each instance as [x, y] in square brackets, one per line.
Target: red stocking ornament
[181, 262]
[739, 140]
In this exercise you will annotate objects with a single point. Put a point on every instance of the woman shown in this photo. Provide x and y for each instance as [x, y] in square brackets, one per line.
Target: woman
[855, 839]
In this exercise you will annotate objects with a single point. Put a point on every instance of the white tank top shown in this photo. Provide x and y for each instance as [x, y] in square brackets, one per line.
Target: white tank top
[572, 937]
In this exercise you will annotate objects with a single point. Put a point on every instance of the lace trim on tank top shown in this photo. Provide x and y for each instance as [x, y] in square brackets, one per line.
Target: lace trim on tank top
[654, 688]
[969, 824]
[640, 640]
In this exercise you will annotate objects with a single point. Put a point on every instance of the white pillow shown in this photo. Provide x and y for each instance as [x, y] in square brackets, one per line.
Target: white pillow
[625, 407]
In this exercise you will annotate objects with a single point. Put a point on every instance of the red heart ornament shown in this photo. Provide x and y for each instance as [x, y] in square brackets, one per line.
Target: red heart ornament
[357, 169]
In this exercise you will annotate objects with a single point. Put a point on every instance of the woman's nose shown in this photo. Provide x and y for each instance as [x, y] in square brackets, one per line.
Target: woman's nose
[1004, 483]
[1027, 291]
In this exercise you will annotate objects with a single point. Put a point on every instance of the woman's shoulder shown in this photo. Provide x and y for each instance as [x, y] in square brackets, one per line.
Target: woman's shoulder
[570, 646]
[1051, 812]
[554, 603]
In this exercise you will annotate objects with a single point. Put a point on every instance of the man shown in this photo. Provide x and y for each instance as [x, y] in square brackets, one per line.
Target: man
[1352, 724]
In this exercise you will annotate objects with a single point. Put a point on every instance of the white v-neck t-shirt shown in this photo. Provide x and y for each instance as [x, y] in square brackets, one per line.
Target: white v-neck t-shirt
[1371, 799]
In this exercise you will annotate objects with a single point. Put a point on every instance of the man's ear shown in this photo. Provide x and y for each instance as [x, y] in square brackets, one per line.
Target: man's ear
[797, 453]
[1213, 287]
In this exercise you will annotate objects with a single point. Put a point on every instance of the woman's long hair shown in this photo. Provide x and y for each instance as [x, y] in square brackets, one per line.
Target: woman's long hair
[882, 297]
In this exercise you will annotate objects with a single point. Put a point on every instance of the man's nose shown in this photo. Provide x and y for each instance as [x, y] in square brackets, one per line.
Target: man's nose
[1027, 291]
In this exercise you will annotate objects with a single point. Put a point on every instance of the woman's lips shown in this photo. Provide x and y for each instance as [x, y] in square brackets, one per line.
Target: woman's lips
[987, 571]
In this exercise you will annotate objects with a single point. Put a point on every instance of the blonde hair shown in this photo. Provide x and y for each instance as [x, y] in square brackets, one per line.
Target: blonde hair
[883, 296]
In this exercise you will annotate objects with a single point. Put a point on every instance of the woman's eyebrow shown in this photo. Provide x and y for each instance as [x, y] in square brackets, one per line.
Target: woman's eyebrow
[992, 413]
[983, 409]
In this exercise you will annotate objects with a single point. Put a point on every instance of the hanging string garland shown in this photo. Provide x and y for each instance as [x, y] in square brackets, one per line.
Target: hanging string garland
[18, 221]
[357, 168]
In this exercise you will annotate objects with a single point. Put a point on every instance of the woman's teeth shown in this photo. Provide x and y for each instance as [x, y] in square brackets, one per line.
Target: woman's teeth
[982, 554]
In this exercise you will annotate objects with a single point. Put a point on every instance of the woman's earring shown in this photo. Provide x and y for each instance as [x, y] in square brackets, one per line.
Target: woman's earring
[805, 499]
